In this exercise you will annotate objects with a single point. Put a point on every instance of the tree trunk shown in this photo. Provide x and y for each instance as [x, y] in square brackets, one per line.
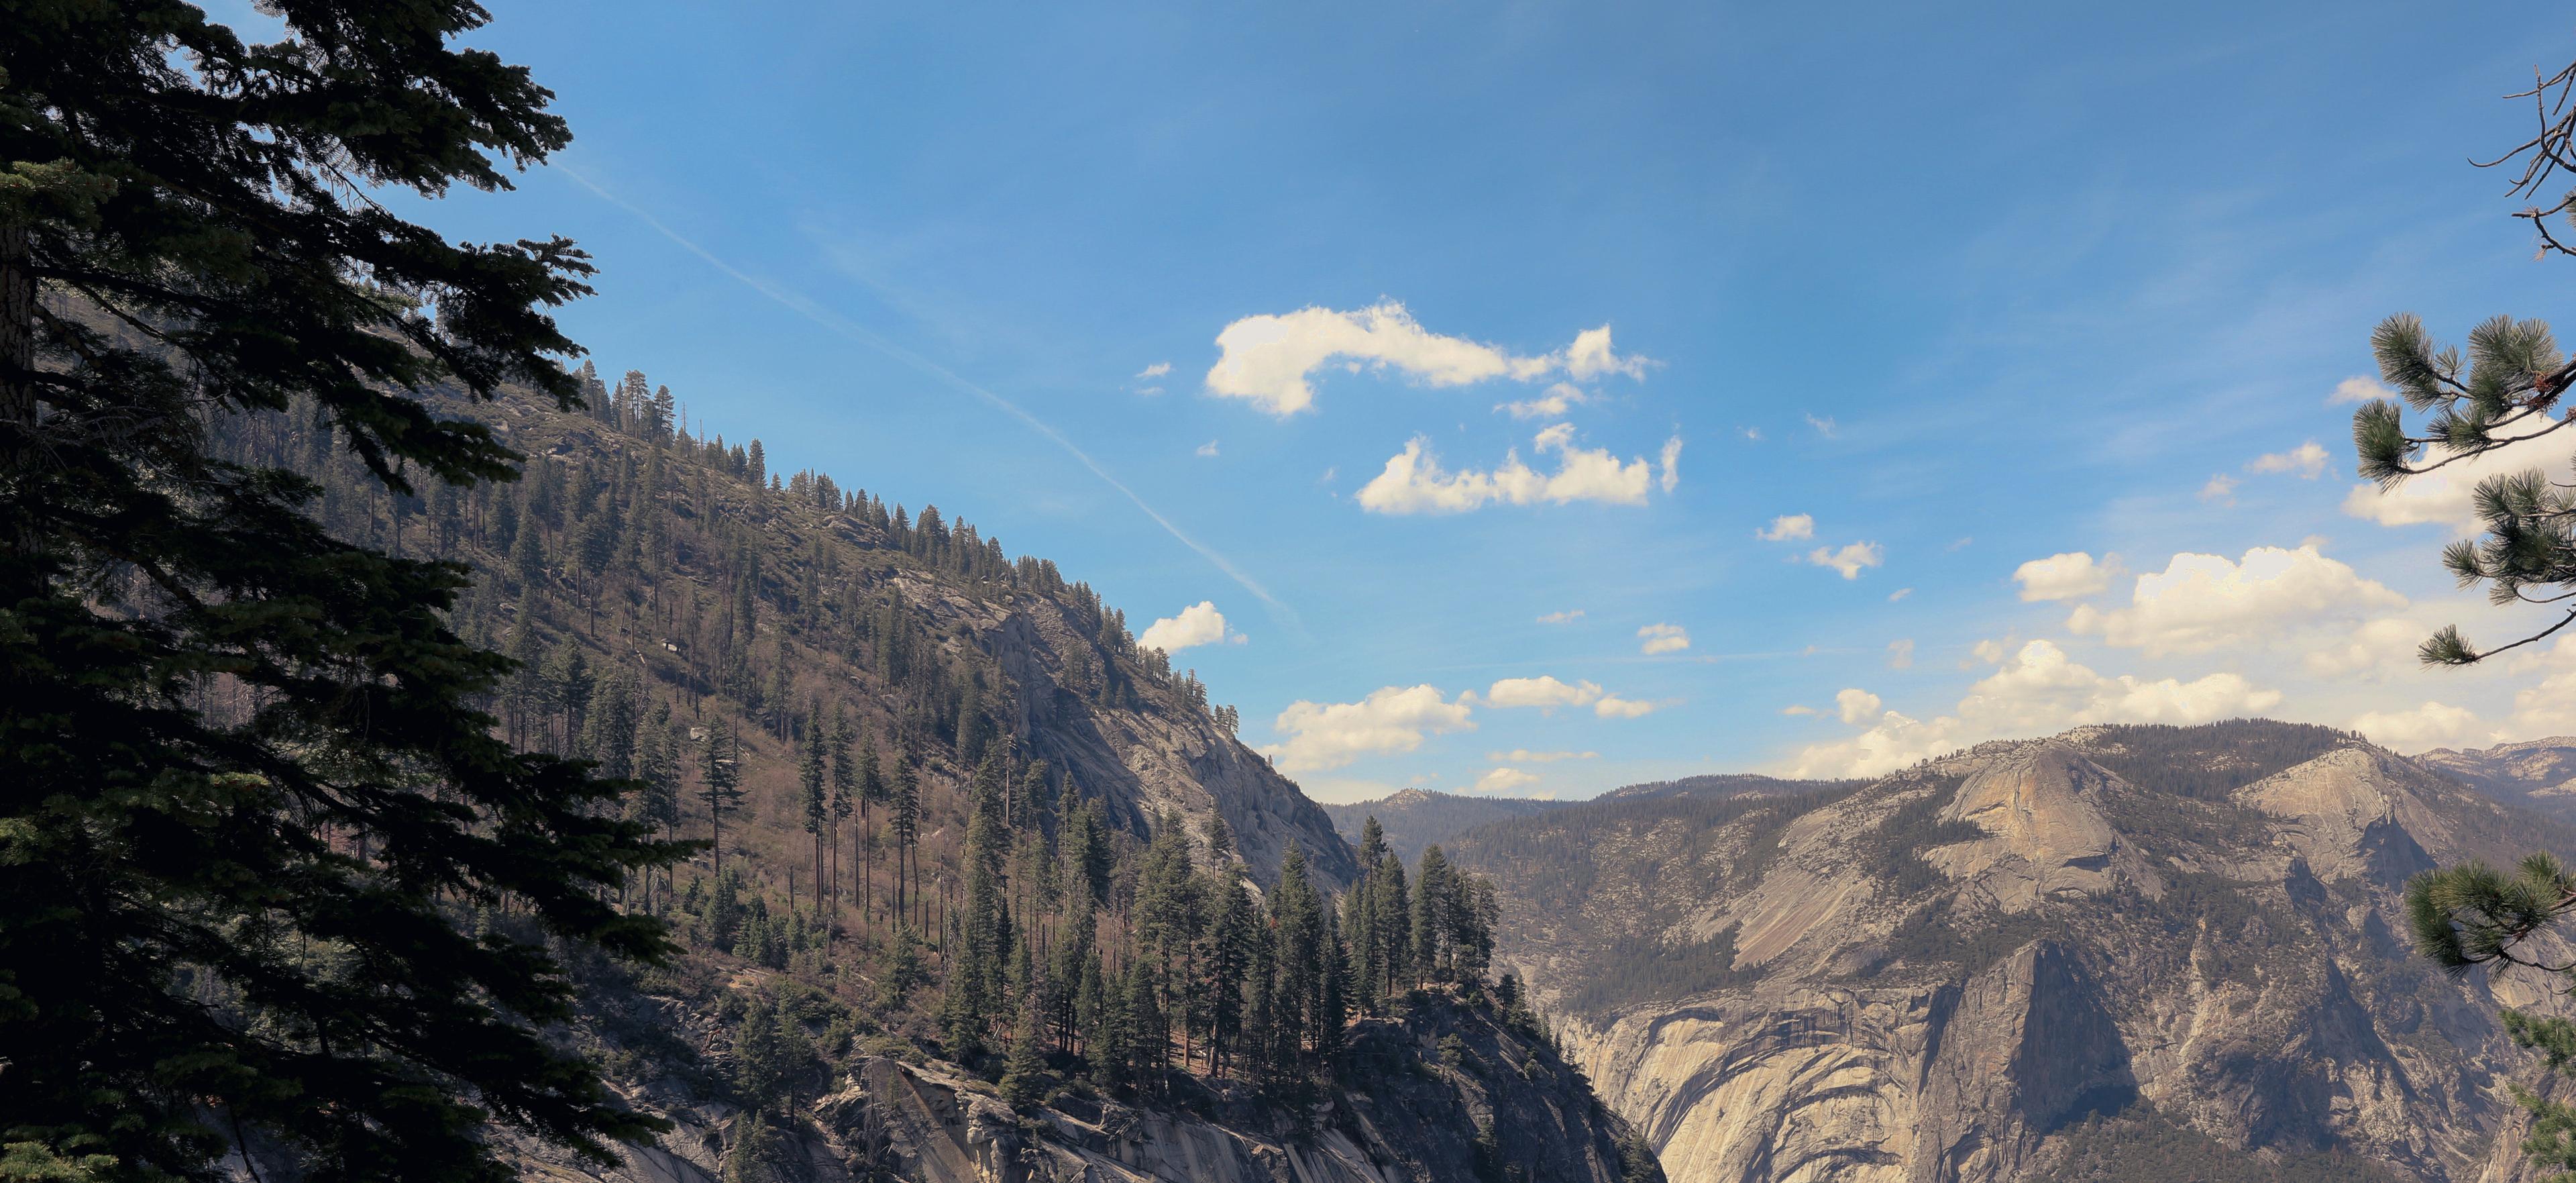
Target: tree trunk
[18, 391]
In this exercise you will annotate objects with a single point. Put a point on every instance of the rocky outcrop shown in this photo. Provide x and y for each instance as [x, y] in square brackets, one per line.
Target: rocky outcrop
[1938, 977]
[1445, 1093]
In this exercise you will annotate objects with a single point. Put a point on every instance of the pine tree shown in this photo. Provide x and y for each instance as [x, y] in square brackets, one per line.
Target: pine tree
[719, 784]
[904, 819]
[811, 768]
[1024, 1078]
[845, 793]
[902, 971]
[188, 244]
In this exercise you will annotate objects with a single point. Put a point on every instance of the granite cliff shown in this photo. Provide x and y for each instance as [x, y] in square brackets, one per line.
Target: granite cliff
[1947, 975]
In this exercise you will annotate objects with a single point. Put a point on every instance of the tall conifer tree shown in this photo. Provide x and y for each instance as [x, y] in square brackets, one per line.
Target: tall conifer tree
[185, 239]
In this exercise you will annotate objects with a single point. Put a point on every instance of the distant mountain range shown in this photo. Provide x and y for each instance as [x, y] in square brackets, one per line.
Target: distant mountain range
[2155, 948]
[1415, 818]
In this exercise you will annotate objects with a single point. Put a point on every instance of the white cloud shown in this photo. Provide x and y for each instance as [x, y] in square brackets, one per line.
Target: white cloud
[1663, 638]
[1669, 472]
[1788, 527]
[1823, 426]
[1591, 357]
[1198, 624]
[2034, 691]
[2445, 495]
[1900, 654]
[1612, 706]
[2358, 390]
[2068, 576]
[1266, 360]
[1390, 719]
[1414, 482]
[1156, 370]
[2422, 728]
[2371, 649]
[1849, 560]
[1208, 448]
[1568, 616]
[1797, 709]
[2200, 602]
[1752, 433]
[2307, 460]
[1526, 756]
[1543, 692]
[2549, 707]
[1549, 404]
[1899, 594]
[1856, 705]
[2221, 487]
[1499, 780]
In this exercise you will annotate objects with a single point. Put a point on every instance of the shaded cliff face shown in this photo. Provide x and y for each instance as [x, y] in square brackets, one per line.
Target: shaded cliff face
[1422, 1090]
[1947, 974]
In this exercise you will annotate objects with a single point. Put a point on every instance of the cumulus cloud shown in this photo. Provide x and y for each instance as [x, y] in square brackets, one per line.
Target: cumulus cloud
[1568, 616]
[1266, 360]
[2358, 390]
[2035, 690]
[2200, 602]
[1414, 481]
[1500, 780]
[2307, 460]
[1849, 560]
[1663, 638]
[1543, 692]
[1390, 719]
[1788, 527]
[2373, 648]
[2446, 495]
[1591, 357]
[2422, 728]
[2548, 707]
[1198, 624]
[1856, 705]
[1156, 370]
[1900, 654]
[1612, 706]
[1526, 756]
[2221, 487]
[1549, 404]
[2072, 575]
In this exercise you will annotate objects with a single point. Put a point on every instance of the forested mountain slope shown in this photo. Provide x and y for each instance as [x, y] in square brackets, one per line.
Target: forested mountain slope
[1416, 818]
[637, 567]
[991, 889]
[2031, 958]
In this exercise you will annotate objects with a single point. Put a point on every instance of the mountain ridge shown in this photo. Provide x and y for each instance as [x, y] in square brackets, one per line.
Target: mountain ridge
[1940, 974]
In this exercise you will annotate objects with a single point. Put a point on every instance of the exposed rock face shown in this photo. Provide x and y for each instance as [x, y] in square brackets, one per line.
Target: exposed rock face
[1423, 1088]
[1144, 760]
[1932, 978]
[2539, 773]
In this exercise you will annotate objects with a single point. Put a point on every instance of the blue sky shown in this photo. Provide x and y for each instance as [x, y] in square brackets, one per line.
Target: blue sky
[1966, 290]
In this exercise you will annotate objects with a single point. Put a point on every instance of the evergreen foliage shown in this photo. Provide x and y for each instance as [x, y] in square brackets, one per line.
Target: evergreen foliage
[2509, 387]
[255, 796]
